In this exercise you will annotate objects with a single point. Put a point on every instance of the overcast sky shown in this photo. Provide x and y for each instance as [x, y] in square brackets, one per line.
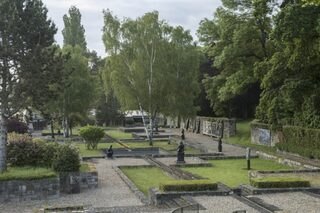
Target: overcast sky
[187, 13]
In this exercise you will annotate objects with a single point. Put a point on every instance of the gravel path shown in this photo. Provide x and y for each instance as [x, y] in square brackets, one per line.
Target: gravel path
[222, 204]
[173, 160]
[294, 202]
[112, 191]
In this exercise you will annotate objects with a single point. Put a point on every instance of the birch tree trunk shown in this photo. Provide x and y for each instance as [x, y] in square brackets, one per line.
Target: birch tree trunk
[3, 144]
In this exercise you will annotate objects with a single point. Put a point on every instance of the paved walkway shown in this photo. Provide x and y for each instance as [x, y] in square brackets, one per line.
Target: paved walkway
[207, 143]
[112, 191]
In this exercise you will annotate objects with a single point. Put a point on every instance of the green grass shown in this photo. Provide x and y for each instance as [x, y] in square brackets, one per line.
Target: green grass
[26, 173]
[117, 134]
[233, 172]
[243, 138]
[171, 148]
[84, 167]
[144, 178]
[84, 152]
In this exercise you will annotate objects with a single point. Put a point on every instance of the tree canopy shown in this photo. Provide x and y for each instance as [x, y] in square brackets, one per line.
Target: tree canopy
[151, 65]
[26, 37]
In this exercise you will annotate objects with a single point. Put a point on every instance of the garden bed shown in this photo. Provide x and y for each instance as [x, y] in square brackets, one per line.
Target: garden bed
[26, 183]
[233, 172]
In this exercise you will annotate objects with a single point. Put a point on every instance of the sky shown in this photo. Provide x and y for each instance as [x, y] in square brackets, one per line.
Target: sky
[187, 13]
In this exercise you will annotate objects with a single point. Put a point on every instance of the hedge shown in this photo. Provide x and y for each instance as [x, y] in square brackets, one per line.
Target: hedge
[188, 185]
[279, 182]
[22, 150]
[303, 141]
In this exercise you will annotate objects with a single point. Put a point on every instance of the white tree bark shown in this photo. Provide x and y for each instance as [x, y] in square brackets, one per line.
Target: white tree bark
[3, 144]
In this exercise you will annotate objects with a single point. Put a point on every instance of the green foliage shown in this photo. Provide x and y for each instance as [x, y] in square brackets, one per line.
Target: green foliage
[279, 182]
[66, 159]
[188, 185]
[300, 140]
[151, 65]
[73, 32]
[26, 173]
[21, 151]
[236, 40]
[92, 135]
[290, 78]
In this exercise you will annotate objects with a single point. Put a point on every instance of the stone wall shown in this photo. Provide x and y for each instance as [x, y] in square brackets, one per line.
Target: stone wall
[210, 126]
[74, 182]
[262, 134]
[27, 190]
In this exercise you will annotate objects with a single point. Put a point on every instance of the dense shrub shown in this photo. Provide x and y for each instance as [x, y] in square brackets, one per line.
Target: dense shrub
[278, 182]
[188, 185]
[23, 151]
[14, 125]
[66, 159]
[303, 141]
[92, 135]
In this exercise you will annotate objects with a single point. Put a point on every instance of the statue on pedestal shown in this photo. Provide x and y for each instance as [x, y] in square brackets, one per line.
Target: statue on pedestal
[180, 153]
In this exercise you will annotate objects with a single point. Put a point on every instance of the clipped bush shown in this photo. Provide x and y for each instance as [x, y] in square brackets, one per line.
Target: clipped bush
[14, 125]
[279, 182]
[92, 135]
[66, 159]
[22, 151]
[188, 185]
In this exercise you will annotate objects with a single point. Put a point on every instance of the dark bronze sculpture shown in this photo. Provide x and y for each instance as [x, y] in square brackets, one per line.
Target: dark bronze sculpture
[110, 152]
[180, 156]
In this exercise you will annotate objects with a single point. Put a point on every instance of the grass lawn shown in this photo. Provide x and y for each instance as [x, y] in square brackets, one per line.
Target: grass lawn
[26, 173]
[243, 138]
[233, 172]
[117, 134]
[144, 178]
[172, 148]
[84, 152]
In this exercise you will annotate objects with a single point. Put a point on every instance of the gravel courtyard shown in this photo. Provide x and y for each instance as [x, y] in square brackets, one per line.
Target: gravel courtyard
[116, 196]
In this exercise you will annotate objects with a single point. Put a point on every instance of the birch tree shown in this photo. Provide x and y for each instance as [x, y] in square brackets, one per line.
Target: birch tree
[141, 63]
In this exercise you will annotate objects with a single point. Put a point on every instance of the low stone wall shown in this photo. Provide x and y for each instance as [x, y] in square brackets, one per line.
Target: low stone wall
[205, 125]
[285, 161]
[157, 197]
[262, 134]
[247, 189]
[210, 126]
[74, 182]
[27, 190]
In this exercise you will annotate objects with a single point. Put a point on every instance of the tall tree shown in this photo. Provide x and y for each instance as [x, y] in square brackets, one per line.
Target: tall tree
[79, 85]
[78, 88]
[73, 32]
[141, 67]
[236, 40]
[290, 78]
[25, 36]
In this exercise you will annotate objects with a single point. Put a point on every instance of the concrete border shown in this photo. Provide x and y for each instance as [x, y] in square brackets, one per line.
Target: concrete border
[131, 185]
